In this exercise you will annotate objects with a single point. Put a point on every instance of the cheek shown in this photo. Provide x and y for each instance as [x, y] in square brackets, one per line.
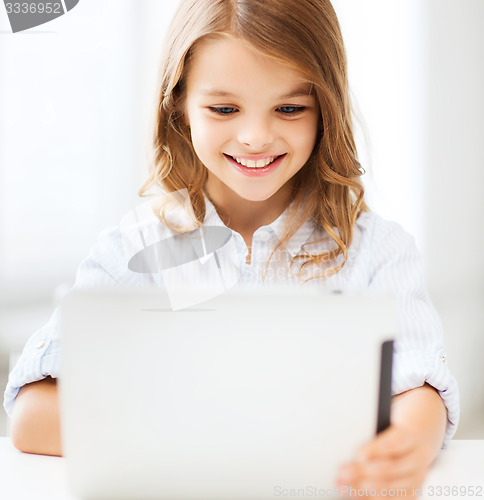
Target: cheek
[198, 131]
[303, 138]
[208, 135]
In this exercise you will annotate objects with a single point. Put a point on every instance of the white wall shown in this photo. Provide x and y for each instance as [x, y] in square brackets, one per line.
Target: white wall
[67, 142]
[455, 106]
[384, 43]
[417, 73]
[454, 203]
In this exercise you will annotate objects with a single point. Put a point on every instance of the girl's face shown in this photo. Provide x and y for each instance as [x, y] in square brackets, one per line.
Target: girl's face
[253, 120]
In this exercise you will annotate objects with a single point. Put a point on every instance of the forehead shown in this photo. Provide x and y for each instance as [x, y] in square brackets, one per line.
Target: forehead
[229, 67]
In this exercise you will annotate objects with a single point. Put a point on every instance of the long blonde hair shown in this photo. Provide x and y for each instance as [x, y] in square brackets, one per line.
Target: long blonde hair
[305, 35]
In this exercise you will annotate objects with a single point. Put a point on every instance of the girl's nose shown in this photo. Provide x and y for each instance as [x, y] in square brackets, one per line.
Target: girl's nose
[257, 133]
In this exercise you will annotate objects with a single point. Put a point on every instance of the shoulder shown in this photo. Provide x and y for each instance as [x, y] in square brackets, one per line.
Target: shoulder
[387, 253]
[109, 258]
[373, 228]
[382, 240]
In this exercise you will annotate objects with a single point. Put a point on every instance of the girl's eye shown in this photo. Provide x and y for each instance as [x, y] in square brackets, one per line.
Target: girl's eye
[224, 110]
[291, 110]
[229, 110]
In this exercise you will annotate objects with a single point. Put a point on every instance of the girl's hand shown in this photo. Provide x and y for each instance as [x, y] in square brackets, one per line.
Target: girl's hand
[395, 460]
[400, 457]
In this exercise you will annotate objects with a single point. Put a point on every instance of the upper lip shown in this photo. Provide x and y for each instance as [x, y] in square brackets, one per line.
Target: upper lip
[255, 157]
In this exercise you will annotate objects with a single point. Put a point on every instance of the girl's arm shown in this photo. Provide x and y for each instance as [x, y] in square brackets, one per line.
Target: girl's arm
[400, 457]
[35, 424]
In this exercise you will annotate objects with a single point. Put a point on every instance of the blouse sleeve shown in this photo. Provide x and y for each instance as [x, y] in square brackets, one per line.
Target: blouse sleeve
[396, 266]
[105, 266]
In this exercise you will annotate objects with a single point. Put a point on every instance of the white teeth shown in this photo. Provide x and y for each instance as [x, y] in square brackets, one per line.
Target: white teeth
[255, 164]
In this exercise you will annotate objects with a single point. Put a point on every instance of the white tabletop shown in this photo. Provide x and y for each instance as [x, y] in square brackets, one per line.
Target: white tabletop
[36, 477]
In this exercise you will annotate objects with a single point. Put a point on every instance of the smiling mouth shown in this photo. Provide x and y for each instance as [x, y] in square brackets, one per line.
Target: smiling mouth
[253, 163]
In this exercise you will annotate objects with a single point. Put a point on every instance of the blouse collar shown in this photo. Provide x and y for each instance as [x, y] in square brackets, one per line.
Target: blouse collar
[275, 229]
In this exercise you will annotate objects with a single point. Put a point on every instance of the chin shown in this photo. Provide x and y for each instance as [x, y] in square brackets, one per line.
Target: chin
[251, 196]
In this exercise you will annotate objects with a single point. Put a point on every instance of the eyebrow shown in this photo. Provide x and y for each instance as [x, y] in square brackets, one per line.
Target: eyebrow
[223, 93]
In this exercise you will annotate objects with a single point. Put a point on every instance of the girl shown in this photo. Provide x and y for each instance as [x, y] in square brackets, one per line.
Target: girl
[254, 121]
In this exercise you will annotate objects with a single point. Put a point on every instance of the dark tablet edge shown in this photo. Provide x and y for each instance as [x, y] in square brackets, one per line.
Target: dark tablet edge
[385, 391]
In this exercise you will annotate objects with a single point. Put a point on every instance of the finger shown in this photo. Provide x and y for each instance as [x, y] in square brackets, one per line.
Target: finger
[353, 481]
[392, 469]
[404, 488]
[408, 470]
[392, 442]
[349, 474]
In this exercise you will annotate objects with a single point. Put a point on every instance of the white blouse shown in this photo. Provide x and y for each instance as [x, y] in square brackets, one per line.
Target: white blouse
[382, 257]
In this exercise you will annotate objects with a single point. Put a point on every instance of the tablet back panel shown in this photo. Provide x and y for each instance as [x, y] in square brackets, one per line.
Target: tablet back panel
[242, 397]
